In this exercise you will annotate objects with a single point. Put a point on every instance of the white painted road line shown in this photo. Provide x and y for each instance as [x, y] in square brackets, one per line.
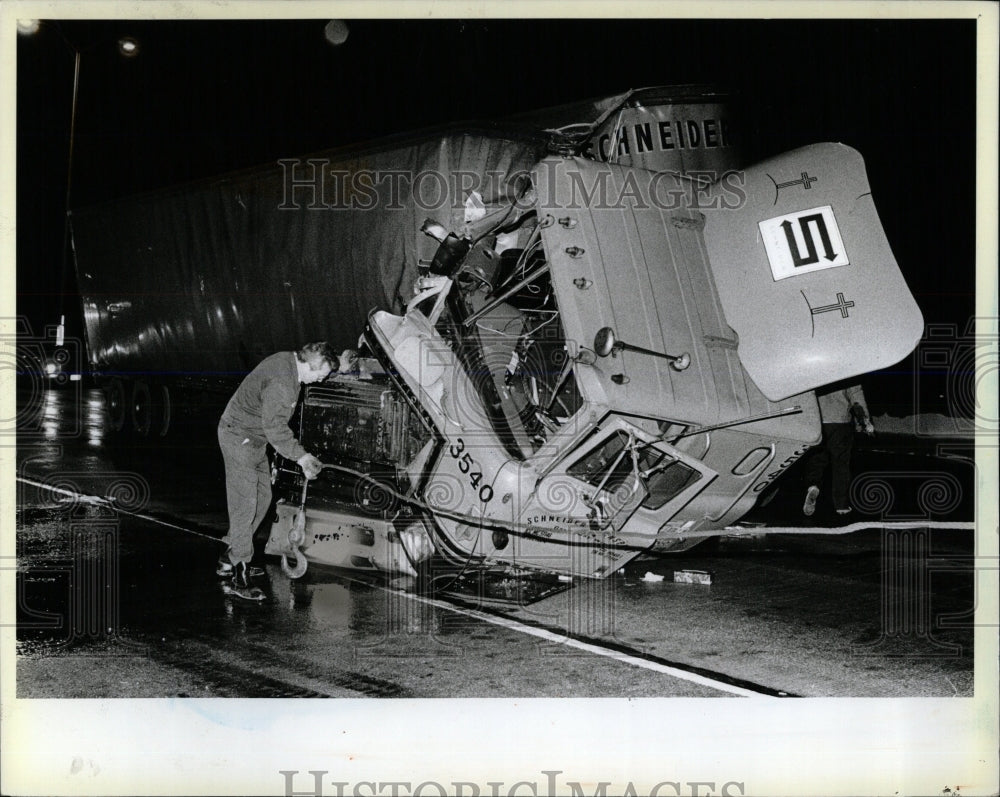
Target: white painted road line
[550, 636]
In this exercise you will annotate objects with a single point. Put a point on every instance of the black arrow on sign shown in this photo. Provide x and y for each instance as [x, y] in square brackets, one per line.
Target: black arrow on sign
[811, 255]
[793, 245]
[823, 233]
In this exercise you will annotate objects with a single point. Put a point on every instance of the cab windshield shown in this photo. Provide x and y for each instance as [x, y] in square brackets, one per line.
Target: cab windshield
[609, 465]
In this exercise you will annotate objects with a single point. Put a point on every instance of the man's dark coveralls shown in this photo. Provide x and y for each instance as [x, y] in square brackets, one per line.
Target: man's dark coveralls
[256, 415]
[838, 442]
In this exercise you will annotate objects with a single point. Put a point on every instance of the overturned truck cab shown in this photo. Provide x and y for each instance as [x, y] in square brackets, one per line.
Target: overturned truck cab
[607, 361]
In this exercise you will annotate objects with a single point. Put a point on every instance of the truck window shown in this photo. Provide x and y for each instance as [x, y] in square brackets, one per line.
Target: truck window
[663, 477]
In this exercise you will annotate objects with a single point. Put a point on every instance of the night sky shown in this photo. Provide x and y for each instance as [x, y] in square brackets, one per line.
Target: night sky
[203, 98]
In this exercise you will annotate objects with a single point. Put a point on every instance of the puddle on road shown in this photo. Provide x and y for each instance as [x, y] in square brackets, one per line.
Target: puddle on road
[86, 579]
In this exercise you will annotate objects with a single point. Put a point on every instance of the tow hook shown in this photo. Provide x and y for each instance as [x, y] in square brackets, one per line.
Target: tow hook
[297, 536]
[301, 564]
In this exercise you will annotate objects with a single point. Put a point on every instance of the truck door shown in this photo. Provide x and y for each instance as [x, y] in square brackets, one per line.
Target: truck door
[614, 473]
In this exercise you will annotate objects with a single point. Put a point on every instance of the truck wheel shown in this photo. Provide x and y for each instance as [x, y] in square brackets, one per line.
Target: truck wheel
[162, 410]
[116, 404]
[142, 408]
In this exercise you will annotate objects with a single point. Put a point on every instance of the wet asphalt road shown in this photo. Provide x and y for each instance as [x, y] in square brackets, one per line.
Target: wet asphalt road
[126, 604]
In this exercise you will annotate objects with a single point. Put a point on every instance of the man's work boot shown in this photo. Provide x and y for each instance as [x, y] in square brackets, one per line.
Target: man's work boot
[224, 568]
[809, 507]
[240, 586]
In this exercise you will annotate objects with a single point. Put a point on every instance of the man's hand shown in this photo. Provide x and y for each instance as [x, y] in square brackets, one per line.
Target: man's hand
[430, 282]
[347, 361]
[310, 465]
[869, 428]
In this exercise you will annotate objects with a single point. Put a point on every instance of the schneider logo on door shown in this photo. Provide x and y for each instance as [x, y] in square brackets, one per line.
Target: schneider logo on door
[804, 241]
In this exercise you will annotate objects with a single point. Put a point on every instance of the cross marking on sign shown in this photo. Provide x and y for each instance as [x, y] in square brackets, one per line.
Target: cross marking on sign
[806, 182]
[840, 305]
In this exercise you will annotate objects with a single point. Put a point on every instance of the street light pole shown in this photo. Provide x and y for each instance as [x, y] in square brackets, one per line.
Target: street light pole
[72, 130]
[60, 330]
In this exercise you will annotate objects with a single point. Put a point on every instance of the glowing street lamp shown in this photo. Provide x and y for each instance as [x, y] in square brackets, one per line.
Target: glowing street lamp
[128, 47]
[336, 32]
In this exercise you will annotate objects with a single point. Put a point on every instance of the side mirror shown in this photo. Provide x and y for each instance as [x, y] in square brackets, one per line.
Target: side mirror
[604, 341]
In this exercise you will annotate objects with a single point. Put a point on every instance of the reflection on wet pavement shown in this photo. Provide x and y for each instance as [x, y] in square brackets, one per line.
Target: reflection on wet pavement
[126, 603]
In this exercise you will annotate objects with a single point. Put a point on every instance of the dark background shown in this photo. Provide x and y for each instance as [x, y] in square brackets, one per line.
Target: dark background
[207, 97]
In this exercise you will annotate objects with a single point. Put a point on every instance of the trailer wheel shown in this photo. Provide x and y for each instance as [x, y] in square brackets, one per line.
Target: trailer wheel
[142, 408]
[162, 410]
[116, 404]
